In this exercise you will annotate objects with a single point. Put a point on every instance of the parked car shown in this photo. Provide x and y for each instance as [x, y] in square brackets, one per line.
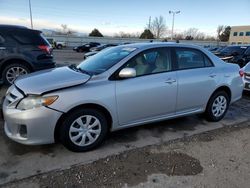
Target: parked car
[95, 50]
[89, 54]
[22, 51]
[119, 87]
[245, 73]
[101, 47]
[235, 54]
[56, 44]
[86, 47]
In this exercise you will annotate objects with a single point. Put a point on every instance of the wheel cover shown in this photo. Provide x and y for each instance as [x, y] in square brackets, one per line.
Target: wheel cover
[14, 72]
[219, 106]
[85, 130]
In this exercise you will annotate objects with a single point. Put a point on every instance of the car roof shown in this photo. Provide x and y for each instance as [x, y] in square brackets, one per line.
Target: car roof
[11, 28]
[2, 26]
[160, 44]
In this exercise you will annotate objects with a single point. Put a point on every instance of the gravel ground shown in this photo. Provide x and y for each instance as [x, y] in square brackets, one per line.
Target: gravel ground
[219, 158]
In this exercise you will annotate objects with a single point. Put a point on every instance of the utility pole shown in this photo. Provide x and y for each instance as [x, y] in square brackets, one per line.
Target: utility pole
[173, 12]
[149, 23]
[31, 21]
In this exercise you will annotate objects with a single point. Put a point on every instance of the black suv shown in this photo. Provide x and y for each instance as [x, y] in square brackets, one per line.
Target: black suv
[86, 47]
[235, 54]
[22, 51]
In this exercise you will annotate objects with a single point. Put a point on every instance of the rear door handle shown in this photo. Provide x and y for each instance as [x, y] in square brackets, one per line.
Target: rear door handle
[170, 81]
[2, 48]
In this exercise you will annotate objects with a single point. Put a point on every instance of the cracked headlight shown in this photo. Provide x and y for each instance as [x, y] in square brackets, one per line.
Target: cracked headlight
[35, 102]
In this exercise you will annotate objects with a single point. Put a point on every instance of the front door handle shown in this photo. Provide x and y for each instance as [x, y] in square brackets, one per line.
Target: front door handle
[212, 75]
[2, 48]
[170, 81]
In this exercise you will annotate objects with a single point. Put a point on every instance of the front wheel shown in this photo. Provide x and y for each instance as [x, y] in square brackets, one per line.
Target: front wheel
[83, 130]
[217, 106]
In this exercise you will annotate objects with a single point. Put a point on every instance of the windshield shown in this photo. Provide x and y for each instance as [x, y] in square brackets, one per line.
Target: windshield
[229, 50]
[105, 59]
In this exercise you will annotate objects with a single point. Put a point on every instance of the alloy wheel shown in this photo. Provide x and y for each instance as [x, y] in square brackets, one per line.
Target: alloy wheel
[14, 72]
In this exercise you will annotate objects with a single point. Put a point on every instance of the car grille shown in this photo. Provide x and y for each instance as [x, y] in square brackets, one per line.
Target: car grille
[12, 96]
[247, 76]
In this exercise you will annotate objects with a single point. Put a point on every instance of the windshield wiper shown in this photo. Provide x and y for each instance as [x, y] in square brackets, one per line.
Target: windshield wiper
[74, 67]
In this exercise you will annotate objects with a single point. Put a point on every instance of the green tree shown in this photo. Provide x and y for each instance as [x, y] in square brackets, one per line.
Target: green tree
[95, 33]
[147, 34]
[224, 36]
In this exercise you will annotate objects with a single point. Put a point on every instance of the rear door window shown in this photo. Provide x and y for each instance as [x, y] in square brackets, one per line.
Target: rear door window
[29, 37]
[188, 58]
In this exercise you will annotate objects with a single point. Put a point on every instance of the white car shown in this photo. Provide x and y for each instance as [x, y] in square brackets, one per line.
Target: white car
[245, 73]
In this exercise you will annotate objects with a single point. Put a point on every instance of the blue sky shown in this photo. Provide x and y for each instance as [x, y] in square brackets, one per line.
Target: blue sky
[113, 16]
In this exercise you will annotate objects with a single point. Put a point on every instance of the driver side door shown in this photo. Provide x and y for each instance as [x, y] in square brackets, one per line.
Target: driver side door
[152, 93]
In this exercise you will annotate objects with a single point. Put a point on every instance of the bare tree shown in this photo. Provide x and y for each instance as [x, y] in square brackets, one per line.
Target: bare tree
[219, 30]
[191, 32]
[200, 36]
[127, 35]
[158, 27]
[64, 28]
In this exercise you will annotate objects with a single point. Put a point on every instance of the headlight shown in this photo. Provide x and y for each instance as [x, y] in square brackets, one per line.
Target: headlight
[35, 102]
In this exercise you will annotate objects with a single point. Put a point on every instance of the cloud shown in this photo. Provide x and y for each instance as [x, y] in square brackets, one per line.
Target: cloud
[107, 28]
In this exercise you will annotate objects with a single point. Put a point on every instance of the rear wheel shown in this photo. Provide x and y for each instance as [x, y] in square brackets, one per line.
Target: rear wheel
[59, 46]
[217, 106]
[12, 71]
[83, 130]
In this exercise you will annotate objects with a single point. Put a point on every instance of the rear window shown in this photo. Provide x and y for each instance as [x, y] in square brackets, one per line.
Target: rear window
[1, 39]
[29, 37]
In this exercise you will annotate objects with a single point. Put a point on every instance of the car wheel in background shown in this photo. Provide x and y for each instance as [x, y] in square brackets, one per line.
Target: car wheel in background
[59, 46]
[12, 71]
[217, 106]
[83, 130]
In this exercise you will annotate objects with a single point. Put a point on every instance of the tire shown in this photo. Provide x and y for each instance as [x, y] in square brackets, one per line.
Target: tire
[59, 46]
[71, 136]
[10, 69]
[214, 113]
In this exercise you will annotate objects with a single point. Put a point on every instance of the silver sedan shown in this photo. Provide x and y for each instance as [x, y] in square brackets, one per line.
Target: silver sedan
[120, 87]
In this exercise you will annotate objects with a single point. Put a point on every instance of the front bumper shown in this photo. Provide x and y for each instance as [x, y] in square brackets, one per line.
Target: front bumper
[39, 124]
[246, 83]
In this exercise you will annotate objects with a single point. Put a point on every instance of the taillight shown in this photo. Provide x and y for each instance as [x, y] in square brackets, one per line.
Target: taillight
[45, 48]
[241, 72]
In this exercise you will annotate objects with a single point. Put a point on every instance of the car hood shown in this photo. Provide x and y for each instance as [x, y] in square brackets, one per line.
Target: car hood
[49, 80]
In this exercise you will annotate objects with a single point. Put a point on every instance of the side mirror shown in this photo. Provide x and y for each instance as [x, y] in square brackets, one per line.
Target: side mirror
[127, 73]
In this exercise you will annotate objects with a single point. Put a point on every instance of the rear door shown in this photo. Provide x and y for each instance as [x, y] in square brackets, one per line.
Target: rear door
[196, 76]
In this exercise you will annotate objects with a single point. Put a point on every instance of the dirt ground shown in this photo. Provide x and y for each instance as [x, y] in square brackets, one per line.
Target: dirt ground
[219, 158]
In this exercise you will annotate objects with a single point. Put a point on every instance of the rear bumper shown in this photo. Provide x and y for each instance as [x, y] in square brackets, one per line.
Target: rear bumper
[44, 64]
